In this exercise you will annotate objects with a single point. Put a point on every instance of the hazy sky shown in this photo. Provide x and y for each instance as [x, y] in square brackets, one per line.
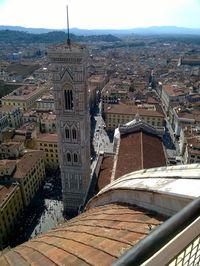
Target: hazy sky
[96, 14]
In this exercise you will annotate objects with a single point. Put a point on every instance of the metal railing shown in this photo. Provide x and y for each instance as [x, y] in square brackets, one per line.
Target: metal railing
[175, 242]
[189, 256]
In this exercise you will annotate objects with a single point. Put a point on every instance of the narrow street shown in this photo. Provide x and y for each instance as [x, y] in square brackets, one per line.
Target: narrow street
[100, 140]
[51, 217]
[44, 213]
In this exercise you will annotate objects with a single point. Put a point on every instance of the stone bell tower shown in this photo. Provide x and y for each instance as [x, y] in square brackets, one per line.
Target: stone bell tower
[69, 77]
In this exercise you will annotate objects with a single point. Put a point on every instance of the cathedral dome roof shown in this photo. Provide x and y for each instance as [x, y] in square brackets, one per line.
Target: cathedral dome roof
[121, 215]
[96, 237]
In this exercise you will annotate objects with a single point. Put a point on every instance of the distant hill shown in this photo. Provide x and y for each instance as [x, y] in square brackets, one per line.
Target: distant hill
[14, 36]
[76, 31]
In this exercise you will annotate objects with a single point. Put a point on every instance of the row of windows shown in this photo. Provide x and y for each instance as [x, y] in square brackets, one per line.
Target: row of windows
[10, 213]
[48, 144]
[52, 160]
[52, 155]
[13, 103]
[197, 156]
[49, 150]
[68, 60]
[114, 124]
[113, 116]
[31, 190]
[34, 173]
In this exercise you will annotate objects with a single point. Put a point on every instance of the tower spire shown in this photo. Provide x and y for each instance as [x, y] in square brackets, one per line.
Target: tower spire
[68, 39]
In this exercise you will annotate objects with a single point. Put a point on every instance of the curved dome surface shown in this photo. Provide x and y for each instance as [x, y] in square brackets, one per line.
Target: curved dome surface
[96, 237]
[122, 214]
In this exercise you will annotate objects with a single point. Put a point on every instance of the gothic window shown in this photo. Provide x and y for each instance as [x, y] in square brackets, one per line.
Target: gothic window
[74, 133]
[69, 105]
[75, 158]
[69, 159]
[67, 133]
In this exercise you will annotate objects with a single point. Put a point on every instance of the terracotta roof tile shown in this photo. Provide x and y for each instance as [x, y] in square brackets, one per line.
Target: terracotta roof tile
[5, 192]
[47, 137]
[97, 237]
[142, 151]
[122, 108]
[105, 172]
[27, 162]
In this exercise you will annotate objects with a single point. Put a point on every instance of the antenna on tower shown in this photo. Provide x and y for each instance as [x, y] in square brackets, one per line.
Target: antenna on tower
[68, 39]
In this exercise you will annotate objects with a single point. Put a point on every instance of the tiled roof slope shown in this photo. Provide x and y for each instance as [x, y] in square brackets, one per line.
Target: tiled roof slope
[97, 237]
[105, 172]
[139, 151]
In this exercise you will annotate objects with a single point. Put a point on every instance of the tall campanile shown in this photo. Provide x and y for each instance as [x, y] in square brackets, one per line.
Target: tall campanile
[69, 77]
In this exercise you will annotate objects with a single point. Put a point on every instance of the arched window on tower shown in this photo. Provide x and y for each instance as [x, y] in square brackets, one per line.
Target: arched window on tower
[67, 133]
[69, 104]
[74, 133]
[69, 159]
[75, 158]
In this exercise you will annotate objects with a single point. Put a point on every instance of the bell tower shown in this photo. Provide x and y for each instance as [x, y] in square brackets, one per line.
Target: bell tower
[69, 77]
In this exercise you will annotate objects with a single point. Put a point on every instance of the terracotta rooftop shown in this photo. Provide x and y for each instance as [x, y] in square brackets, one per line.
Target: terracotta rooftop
[105, 172]
[96, 237]
[48, 116]
[122, 108]
[5, 164]
[188, 113]
[6, 145]
[5, 192]
[175, 91]
[96, 78]
[8, 108]
[27, 162]
[23, 92]
[47, 137]
[142, 151]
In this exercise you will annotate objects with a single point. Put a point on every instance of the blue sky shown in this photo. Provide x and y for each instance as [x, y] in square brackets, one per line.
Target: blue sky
[104, 14]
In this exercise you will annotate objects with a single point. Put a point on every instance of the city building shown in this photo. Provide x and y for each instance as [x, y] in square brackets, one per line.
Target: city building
[173, 95]
[7, 169]
[30, 173]
[114, 91]
[190, 60]
[69, 77]
[30, 116]
[13, 114]
[11, 208]
[3, 124]
[46, 101]
[122, 113]
[48, 143]
[11, 150]
[99, 81]
[184, 116]
[25, 96]
[189, 143]
[28, 130]
[47, 123]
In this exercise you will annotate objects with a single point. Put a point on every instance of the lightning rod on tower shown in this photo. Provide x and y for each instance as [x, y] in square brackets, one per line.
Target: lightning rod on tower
[68, 39]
